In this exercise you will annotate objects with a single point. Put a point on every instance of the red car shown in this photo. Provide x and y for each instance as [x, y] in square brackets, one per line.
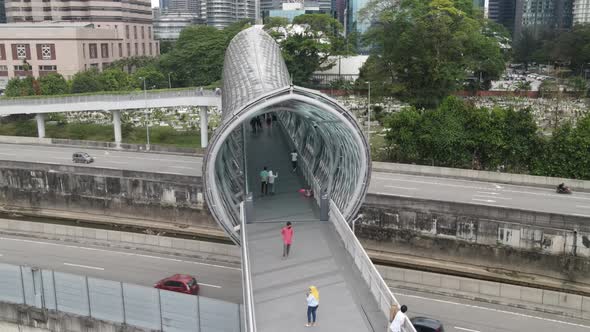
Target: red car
[181, 283]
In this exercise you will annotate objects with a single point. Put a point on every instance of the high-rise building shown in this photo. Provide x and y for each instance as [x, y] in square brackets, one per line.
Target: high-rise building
[581, 11]
[222, 13]
[502, 12]
[132, 20]
[354, 23]
[540, 15]
[183, 7]
[2, 12]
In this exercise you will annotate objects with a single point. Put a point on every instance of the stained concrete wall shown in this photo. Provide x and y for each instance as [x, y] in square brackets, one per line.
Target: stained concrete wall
[525, 241]
[20, 318]
[168, 198]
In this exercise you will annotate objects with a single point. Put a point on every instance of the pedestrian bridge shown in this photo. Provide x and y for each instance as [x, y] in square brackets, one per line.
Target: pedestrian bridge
[333, 161]
[114, 103]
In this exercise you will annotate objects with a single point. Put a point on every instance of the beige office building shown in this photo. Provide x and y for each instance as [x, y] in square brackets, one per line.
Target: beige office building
[131, 19]
[36, 49]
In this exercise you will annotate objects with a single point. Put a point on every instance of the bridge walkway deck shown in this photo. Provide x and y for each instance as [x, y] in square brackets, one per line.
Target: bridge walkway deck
[317, 256]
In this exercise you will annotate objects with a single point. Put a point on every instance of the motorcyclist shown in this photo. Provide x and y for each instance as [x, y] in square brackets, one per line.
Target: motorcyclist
[561, 187]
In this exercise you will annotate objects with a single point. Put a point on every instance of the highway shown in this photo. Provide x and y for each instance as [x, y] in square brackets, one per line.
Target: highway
[133, 266]
[445, 189]
[224, 282]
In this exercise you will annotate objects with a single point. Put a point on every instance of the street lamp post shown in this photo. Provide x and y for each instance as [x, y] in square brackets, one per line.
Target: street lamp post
[169, 81]
[147, 125]
[369, 115]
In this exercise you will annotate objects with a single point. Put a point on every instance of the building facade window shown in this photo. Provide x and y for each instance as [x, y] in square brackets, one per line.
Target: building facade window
[128, 49]
[3, 68]
[21, 51]
[135, 32]
[2, 52]
[84, 51]
[150, 32]
[142, 48]
[127, 31]
[93, 51]
[48, 68]
[142, 33]
[104, 50]
[46, 53]
[21, 68]
[151, 49]
[120, 50]
[136, 49]
[94, 65]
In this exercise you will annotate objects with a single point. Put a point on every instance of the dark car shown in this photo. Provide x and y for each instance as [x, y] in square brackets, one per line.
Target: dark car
[423, 324]
[181, 283]
[82, 157]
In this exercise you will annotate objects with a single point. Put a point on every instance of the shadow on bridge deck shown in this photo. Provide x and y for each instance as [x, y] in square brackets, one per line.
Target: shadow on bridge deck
[317, 256]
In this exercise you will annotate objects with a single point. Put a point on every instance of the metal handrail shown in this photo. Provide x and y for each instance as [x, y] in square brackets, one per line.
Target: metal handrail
[372, 277]
[249, 316]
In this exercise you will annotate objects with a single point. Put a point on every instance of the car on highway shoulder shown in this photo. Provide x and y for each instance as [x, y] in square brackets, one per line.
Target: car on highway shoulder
[82, 157]
[425, 324]
[182, 283]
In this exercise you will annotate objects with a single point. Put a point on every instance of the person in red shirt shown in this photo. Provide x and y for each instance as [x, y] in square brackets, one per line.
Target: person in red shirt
[287, 233]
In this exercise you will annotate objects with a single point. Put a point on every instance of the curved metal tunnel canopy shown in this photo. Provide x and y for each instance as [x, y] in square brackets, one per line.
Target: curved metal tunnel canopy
[333, 152]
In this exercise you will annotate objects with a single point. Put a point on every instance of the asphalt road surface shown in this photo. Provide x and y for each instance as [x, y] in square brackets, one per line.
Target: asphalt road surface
[216, 280]
[460, 315]
[445, 189]
[224, 282]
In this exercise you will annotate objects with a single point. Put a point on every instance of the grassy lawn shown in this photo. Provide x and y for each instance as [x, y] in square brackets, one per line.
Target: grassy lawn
[104, 133]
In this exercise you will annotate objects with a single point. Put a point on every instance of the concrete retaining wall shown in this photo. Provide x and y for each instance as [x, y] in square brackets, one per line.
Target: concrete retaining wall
[168, 198]
[551, 245]
[509, 178]
[518, 296]
[22, 318]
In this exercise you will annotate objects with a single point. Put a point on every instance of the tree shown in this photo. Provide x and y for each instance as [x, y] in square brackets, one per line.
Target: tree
[53, 84]
[428, 47]
[154, 79]
[304, 54]
[18, 87]
[113, 79]
[578, 85]
[87, 81]
[197, 58]
[275, 22]
[131, 64]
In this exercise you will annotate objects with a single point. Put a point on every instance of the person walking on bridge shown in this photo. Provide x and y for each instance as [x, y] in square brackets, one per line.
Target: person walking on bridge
[399, 320]
[271, 181]
[313, 302]
[294, 160]
[264, 181]
[287, 234]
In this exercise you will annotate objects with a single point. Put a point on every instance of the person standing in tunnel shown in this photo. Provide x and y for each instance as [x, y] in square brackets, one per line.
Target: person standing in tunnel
[294, 160]
[271, 181]
[264, 181]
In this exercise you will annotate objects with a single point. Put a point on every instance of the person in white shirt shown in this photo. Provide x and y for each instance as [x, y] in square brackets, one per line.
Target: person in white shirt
[399, 320]
[271, 181]
[294, 160]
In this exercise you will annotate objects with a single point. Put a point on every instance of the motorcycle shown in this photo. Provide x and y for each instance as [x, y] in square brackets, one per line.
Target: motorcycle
[563, 190]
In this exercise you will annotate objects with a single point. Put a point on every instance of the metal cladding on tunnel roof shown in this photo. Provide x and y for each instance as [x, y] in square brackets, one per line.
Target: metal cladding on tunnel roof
[334, 153]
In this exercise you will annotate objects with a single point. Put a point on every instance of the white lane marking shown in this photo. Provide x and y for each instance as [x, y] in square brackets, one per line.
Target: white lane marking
[577, 196]
[483, 200]
[406, 188]
[494, 197]
[85, 266]
[498, 186]
[390, 194]
[488, 193]
[115, 162]
[7, 154]
[208, 285]
[464, 329]
[122, 253]
[182, 167]
[583, 206]
[495, 310]
[60, 158]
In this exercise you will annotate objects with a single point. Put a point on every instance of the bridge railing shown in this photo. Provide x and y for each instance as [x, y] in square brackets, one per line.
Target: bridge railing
[248, 292]
[373, 279]
[110, 97]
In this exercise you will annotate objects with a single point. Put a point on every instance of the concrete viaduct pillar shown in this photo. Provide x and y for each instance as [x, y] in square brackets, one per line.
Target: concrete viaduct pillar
[41, 124]
[117, 126]
[204, 127]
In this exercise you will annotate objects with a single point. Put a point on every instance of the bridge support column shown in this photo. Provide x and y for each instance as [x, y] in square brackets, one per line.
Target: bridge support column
[41, 124]
[204, 127]
[117, 127]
